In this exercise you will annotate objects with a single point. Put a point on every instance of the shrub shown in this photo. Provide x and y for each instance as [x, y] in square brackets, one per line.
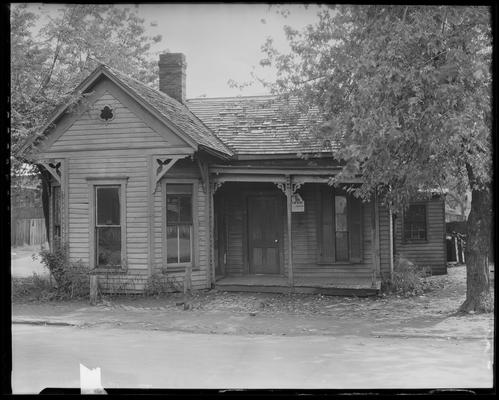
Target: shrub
[408, 279]
[158, 284]
[71, 278]
[34, 287]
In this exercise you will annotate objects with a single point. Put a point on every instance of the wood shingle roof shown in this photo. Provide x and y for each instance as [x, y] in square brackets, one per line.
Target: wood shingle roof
[258, 125]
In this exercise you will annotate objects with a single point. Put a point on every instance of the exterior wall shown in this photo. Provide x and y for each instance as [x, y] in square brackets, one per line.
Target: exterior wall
[433, 251]
[120, 148]
[188, 171]
[305, 244]
[385, 252]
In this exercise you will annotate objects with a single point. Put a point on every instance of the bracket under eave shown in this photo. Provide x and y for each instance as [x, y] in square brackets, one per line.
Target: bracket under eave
[165, 168]
[54, 169]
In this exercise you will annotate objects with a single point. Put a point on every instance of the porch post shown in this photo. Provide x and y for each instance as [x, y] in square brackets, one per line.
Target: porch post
[211, 193]
[289, 194]
[375, 239]
[150, 214]
[390, 222]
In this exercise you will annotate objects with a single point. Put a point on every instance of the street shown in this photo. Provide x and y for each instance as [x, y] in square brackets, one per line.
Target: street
[49, 356]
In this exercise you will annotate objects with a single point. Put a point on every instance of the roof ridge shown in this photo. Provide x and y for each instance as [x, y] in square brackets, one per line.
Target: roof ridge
[232, 97]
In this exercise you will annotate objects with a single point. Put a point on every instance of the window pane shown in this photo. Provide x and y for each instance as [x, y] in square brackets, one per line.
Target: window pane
[171, 244]
[415, 222]
[185, 209]
[108, 206]
[341, 223]
[340, 205]
[108, 246]
[185, 242]
[341, 246]
[173, 212]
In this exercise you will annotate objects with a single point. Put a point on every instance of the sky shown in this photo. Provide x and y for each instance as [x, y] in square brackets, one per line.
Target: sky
[221, 42]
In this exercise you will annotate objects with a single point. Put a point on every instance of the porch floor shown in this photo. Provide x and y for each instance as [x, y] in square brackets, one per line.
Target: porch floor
[279, 284]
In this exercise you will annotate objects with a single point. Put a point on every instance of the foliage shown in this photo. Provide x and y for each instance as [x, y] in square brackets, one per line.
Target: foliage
[408, 279]
[34, 287]
[46, 66]
[71, 278]
[401, 87]
[407, 92]
[159, 284]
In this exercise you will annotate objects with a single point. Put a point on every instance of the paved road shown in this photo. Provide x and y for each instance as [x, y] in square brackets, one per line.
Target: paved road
[49, 356]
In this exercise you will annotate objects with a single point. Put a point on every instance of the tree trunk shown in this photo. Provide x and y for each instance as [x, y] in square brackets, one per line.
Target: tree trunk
[45, 178]
[478, 296]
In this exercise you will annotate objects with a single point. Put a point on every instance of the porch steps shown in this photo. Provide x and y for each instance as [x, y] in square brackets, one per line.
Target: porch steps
[242, 284]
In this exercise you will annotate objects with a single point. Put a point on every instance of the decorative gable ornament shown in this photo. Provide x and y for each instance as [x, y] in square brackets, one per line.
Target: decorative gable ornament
[106, 113]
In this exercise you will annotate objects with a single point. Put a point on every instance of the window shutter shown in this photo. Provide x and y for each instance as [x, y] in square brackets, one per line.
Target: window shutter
[355, 228]
[326, 225]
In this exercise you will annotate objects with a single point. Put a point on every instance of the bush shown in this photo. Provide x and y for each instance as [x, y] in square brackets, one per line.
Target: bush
[408, 279]
[158, 284]
[71, 278]
[34, 287]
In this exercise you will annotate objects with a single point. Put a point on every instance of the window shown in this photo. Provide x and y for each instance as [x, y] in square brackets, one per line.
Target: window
[415, 222]
[56, 215]
[179, 224]
[339, 227]
[107, 228]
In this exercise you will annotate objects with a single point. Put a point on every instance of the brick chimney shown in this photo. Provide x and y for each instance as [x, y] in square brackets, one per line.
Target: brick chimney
[172, 75]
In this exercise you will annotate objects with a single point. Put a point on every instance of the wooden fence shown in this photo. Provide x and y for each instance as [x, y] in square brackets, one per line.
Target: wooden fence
[28, 232]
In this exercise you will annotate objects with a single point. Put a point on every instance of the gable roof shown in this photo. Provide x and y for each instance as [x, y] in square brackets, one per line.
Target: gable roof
[258, 125]
[162, 105]
[174, 111]
[230, 126]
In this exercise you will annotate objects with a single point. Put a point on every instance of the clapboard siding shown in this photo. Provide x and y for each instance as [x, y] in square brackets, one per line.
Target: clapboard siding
[430, 253]
[183, 169]
[136, 199]
[125, 131]
[304, 237]
[305, 243]
[236, 214]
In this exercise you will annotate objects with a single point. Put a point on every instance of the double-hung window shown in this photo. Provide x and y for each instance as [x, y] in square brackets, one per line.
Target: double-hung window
[108, 226]
[107, 206]
[415, 223]
[339, 230]
[179, 224]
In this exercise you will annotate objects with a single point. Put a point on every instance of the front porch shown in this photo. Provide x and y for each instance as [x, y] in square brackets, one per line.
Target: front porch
[264, 242]
[305, 285]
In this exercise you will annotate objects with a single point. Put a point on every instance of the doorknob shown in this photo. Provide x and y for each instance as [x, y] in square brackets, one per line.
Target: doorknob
[276, 240]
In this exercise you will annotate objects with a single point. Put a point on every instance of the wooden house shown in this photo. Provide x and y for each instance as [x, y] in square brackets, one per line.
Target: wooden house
[146, 182]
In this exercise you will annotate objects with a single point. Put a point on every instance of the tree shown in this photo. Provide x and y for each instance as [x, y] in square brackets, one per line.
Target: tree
[47, 67]
[407, 90]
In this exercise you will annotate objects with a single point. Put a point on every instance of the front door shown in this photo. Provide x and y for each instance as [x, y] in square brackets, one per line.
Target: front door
[264, 234]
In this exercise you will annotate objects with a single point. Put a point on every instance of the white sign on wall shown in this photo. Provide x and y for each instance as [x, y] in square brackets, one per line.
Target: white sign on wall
[297, 203]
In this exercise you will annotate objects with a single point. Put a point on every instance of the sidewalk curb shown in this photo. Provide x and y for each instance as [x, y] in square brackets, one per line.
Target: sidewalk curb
[427, 336]
[379, 335]
[44, 322]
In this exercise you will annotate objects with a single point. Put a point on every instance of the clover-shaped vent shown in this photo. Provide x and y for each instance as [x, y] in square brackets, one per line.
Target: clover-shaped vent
[106, 114]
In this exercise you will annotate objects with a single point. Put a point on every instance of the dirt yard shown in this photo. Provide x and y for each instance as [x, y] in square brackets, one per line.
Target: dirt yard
[283, 314]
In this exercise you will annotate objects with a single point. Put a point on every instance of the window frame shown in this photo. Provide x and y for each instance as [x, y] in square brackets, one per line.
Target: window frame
[93, 183]
[332, 258]
[404, 223]
[194, 263]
